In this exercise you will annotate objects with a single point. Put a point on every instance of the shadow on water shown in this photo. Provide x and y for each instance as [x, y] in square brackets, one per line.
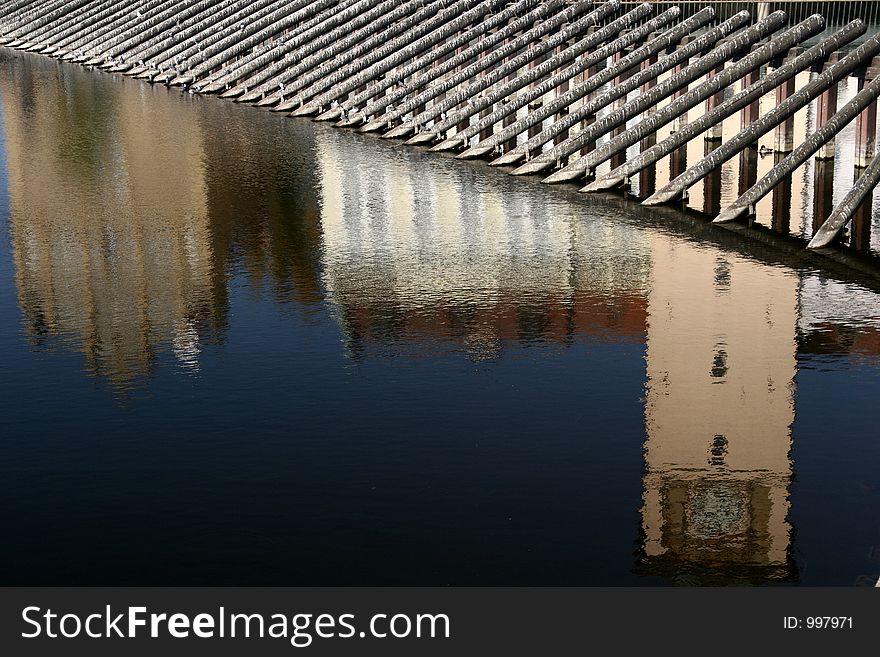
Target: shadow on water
[244, 349]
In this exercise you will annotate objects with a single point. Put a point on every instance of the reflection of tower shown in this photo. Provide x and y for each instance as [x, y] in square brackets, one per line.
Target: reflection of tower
[415, 248]
[720, 365]
[109, 227]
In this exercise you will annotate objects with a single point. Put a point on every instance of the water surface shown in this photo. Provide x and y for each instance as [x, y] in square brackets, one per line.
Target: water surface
[244, 349]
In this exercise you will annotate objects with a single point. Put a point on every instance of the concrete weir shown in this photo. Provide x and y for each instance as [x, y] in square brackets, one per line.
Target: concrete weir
[557, 87]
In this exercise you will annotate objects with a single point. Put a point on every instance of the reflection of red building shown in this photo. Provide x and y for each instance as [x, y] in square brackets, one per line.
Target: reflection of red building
[830, 338]
[505, 320]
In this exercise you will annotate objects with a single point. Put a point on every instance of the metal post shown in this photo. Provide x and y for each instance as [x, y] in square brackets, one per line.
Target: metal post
[784, 140]
[862, 189]
[823, 192]
[781, 221]
[711, 184]
[593, 81]
[739, 101]
[785, 167]
[713, 101]
[866, 131]
[826, 106]
[751, 111]
[781, 112]
[748, 169]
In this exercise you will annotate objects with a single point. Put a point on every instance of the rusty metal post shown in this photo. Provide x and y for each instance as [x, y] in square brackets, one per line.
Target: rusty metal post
[648, 176]
[799, 99]
[782, 202]
[561, 91]
[826, 106]
[713, 101]
[784, 136]
[748, 169]
[860, 237]
[823, 192]
[751, 111]
[711, 184]
[866, 131]
[748, 159]
[486, 132]
[678, 162]
[862, 190]
[620, 102]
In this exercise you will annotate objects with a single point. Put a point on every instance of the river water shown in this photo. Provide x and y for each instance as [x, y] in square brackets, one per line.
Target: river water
[243, 349]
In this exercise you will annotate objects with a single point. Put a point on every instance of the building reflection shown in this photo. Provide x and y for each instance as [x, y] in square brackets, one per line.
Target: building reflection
[719, 332]
[719, 406]
[126, 231]
[413, 251]
[129, 226]
[108, 222]
[838, 318]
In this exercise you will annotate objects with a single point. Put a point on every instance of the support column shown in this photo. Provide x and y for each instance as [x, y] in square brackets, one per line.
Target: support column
[826, 106]
[538, 127]
[559, 91]
[784, 134]
[860, 240]
[781, 200]
[713, 101]
[751, 111]
[510, 119]
[619, 158]
[486, 132]
[591, 119]
[866, 131]
[678, 161]
[748, 159]
[711, 185]
[823, 192]
[678, 157]
[681, 121]
[648, 175]
[510, 144]
[645, 88]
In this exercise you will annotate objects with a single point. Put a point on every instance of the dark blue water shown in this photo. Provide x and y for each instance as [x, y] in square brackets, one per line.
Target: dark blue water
[243, 349]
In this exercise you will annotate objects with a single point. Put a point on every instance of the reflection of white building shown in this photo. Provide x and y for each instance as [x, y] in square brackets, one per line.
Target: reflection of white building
[434, 245]
[109, 223]
[838, 317]
[825, 301]
[719, 405]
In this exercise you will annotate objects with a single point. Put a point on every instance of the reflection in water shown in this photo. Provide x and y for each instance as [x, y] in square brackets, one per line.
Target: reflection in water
[410, 253]
[719, 406]
[840, 318]
[407, 257]
[109, 223]
[134, 222]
